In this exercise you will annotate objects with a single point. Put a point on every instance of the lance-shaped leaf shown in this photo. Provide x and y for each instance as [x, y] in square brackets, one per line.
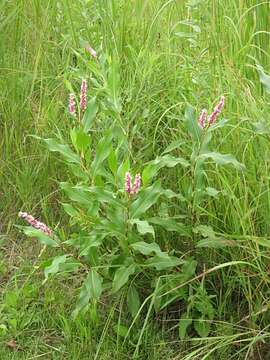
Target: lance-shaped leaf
[174, 145]
[91, 290]
[143, 227]
[90, 114]
[61, 264]
[43, 238]
[133, 301]
[102, 152]
[121, 276]
[223, 159]
[192, 123]
[77, 193]
[154, 166]
[54, 267]
[164, 262]
[146, 198]
[171, 224]
[64, 150]
[147, 249]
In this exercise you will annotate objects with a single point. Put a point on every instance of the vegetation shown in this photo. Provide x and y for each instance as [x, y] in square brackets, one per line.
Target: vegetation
[174, 267]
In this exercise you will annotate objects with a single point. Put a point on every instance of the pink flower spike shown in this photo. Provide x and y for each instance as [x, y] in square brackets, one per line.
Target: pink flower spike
[137, 184]
[217, 110]
[128, 185]
[91, 51]
[83, 99]
[72, 105]
[35, 223]
[202, 118]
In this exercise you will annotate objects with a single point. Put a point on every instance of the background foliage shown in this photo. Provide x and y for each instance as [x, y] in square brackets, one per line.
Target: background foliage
[160, 55]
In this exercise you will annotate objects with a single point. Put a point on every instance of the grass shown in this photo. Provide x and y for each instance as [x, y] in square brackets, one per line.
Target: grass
[169, 53]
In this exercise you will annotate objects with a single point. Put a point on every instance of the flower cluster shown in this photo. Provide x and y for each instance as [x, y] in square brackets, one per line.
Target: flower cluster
[91, 51]
[132, 188]
[213, 117]
[72, 105]
[35, 223]
[83, 99]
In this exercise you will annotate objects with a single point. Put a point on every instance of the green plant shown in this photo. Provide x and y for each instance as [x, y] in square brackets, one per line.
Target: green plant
[112, 233]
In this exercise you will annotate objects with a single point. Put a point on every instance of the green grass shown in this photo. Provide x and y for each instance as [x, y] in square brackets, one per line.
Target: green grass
[164, 64]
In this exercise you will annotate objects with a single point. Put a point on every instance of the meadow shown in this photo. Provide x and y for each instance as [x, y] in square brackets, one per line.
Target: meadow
[177, 268]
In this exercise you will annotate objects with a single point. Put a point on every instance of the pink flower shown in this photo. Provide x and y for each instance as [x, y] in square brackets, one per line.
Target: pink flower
[91, 51]
[137, 184]
[35, 223]
[128, 184]
[83, 100]
[132, 188]
[202, 118]
[213, 117]
[72, 105]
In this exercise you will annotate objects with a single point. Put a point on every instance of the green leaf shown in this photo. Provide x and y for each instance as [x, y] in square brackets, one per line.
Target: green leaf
[169, 194]
[121, 277]
[146, 198]
[70, 210]
[212, 192]
[113, 83]
[146, 249]
[120, 330]
[154, 166]
[133, 301]
[113, 161]
[171, 224]
[77, 193]
[216, 243]
[104, 196]
[184, 323]
[223, 159]
[174, 145]
[217, 125]
[43, 238]
[164, 262]
[91, 290]
[205, 231]
[102, 152]
[64, 150]
[261, 127]
[90, 114]
[264, 78]
[79, 172]
[191, 121]
[123, 168]
[83, 141]
[211, 241]
[202, 327]
[54, 267]
[143, 227]
[188, 269]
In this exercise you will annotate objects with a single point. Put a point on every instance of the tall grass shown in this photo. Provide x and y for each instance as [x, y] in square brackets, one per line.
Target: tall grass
[169, 53]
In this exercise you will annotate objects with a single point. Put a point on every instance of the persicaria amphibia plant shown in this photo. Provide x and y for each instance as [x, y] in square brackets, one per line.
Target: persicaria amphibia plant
[117, 239]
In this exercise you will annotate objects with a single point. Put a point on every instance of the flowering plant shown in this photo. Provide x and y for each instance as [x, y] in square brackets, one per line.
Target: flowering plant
[113, 237]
